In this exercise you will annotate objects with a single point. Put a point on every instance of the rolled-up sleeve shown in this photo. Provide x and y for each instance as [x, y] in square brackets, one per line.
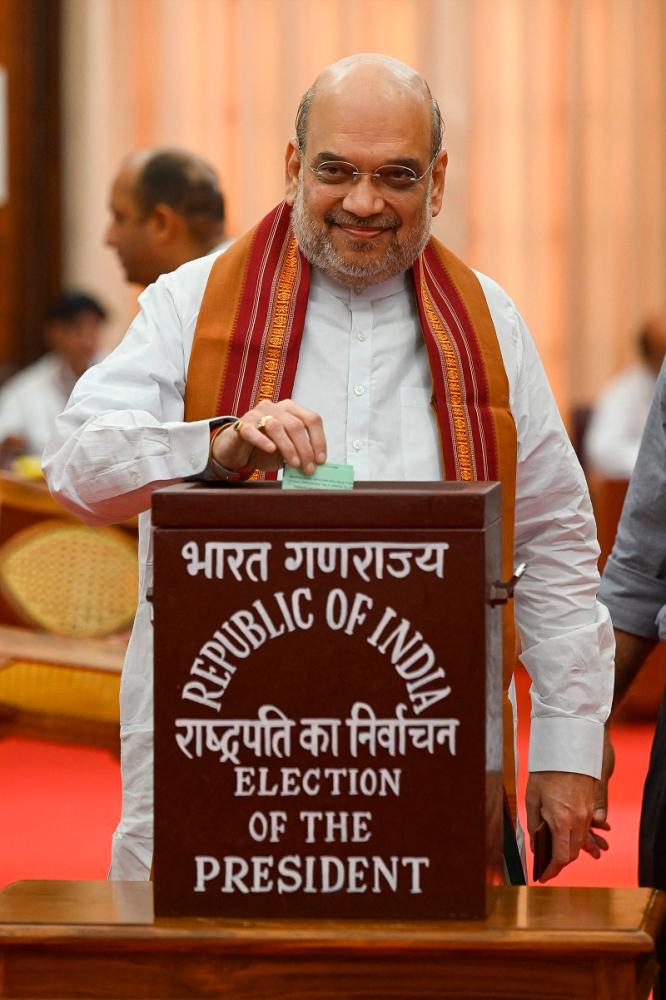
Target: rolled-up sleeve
[634, 580]
[566, 638]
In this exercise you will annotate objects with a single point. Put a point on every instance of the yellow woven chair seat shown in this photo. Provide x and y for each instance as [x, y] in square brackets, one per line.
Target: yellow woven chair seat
[73, 591]
[60, 691]
[70, 579]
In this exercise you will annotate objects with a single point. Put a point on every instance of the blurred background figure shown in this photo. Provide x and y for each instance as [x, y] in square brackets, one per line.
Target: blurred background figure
[616, 424]
[30, 400]
[166, 208]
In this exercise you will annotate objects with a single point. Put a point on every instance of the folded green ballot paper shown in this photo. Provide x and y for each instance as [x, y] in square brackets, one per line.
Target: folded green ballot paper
[325, 477]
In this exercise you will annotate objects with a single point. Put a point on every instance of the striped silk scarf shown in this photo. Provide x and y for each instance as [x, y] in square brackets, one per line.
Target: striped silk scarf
[246, 348]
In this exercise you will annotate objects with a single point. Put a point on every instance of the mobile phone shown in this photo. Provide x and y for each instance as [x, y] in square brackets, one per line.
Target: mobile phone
[543, 849]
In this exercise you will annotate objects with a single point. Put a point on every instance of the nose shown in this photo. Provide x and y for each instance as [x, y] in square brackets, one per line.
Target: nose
[363, 198]
[110, 235]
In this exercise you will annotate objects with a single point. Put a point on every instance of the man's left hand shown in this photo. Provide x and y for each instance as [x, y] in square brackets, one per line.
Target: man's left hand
[565, 800]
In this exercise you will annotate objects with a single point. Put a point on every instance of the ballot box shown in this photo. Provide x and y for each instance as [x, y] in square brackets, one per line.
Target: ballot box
[327, 671]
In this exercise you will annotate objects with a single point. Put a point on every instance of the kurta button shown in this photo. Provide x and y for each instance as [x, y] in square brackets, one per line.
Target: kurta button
[359, 390]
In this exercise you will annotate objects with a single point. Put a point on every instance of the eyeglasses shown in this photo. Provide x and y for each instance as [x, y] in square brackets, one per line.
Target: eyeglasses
[391, 175]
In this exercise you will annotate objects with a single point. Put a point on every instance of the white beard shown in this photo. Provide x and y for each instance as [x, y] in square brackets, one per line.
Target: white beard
[317, 246]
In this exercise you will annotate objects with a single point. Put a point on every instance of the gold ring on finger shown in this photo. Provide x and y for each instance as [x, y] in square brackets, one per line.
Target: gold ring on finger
[238, 426]
[262, 421]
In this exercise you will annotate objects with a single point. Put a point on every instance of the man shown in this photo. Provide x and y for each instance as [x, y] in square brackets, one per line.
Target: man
[31, 400]
[329, 331]
[634, 589]
[614, 432]
[167, 208]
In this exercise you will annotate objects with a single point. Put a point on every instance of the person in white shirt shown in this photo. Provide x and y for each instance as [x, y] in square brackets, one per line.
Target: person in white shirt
[31, 400]
[365, 176]
[615, 428]
[166, 208]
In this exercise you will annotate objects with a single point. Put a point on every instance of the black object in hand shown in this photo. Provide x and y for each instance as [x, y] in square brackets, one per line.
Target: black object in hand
[542, 843]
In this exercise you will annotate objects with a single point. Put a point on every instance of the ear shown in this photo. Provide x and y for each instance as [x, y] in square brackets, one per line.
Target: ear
[438, 178]
[163, 222]
[292, 171]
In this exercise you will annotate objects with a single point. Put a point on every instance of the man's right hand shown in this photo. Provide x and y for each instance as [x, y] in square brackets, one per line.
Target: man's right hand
[270, 435]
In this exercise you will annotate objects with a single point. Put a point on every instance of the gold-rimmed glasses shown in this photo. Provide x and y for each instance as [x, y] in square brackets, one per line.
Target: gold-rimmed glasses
[340, 173]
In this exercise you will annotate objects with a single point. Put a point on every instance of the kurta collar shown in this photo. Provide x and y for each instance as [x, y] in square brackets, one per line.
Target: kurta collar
[392, 286]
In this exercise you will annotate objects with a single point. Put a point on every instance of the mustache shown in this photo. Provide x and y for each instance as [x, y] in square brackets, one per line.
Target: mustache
[339, 217]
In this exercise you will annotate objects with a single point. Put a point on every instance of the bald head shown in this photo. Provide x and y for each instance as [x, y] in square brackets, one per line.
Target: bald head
[377, 79]
[371, 67]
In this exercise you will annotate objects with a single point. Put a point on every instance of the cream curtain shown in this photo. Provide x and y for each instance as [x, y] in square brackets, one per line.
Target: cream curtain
[555, 114]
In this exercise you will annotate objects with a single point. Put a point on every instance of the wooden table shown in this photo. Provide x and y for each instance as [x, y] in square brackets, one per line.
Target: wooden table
[99, 939]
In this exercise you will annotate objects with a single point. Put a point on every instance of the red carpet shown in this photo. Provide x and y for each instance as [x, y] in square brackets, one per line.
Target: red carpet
[59, 807]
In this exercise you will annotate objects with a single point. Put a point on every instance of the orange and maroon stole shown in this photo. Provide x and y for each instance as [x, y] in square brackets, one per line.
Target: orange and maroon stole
[246, 348]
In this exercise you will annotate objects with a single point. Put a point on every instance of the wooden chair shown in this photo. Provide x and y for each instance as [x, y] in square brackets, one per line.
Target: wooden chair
[67, 599]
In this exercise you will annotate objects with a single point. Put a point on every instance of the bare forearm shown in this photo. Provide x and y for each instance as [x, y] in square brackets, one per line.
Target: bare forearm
[631, 652]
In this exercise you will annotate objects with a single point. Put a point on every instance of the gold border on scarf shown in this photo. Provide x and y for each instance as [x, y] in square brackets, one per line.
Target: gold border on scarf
[456, 401]
[279, 323]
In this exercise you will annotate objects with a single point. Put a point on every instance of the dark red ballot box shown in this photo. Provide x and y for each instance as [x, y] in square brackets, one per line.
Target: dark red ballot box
[328, 736]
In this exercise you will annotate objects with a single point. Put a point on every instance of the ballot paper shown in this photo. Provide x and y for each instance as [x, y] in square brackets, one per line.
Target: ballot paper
[325, 477]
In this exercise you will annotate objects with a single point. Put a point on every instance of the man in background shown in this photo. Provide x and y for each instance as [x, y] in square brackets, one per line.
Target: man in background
[31, 400]
[634, 589]
[614, 432]
[167, 208]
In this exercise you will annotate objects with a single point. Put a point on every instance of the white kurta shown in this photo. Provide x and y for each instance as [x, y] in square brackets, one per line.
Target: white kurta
[363, 367]
[31, 400]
